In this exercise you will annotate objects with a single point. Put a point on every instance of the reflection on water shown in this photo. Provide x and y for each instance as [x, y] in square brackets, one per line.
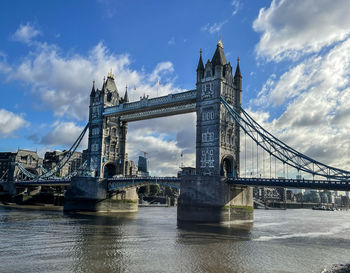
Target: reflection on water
[151, 241]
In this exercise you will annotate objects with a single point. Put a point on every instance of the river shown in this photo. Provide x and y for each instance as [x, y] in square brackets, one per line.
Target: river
[150, 241]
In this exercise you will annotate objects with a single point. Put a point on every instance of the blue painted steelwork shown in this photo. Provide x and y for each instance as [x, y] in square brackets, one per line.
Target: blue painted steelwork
[60, 164]
[291, 183]
[113, 183]
[154, 103]
[282, 151]
[126, 182]
[50, 182]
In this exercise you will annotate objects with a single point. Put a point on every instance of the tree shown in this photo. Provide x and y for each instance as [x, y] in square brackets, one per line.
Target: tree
[154, 190]
[170, 192]
[144, 190]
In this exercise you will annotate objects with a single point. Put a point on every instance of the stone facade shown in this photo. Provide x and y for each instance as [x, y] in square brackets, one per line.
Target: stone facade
[217, 139]
[107, 135]
[30, 160]
[52, 158]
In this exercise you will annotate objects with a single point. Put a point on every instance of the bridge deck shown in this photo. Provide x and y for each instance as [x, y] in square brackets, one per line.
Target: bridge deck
[125, 182]
[52, 183]
[292, 183]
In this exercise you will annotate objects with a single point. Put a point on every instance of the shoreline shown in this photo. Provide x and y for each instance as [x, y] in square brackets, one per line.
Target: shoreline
[337, 268]
[46, 207]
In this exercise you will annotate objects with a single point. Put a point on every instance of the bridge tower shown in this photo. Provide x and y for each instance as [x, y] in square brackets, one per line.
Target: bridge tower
[206, 197]
[106, 157]
[107, 135]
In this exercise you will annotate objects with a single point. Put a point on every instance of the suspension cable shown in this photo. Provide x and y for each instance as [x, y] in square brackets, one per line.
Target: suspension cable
[60, 164]
[282, 151]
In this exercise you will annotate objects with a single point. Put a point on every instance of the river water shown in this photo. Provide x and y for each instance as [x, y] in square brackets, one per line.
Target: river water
[151, 241]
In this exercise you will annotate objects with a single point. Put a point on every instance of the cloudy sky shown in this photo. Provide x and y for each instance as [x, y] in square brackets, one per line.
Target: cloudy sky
[294, 59]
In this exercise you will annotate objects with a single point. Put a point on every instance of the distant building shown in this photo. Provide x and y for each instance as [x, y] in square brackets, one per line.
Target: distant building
[130, 169]
[29, 160]
[186, 171]
[51, 159]
[142, 166]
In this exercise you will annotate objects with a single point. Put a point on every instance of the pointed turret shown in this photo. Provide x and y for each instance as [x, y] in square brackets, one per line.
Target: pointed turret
[200, 66]
[219, 55]
[103, 85]
[238, 74]
[126, 97]
[93, 92]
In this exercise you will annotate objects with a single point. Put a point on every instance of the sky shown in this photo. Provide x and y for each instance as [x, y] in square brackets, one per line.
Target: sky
[294, 59]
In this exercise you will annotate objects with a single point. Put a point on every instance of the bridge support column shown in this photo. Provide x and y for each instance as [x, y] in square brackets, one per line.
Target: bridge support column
[209, 199]
[90, 194]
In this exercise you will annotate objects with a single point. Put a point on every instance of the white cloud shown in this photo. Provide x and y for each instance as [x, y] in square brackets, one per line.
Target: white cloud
[236, 6]
[161, 69]
[315, 94]
[4, 67]
[63, 134]
[214, 28]
[291, 28]
[25, 33]
[63, 83]
[10, 122]
[164, 139]
[171, 41]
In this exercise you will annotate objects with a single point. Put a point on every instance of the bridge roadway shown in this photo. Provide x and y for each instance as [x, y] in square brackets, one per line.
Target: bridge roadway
[291, 183]
[113, 183]
[127, 182]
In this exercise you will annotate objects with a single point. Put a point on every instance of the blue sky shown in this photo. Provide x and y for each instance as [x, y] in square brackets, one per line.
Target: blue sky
[294, 60]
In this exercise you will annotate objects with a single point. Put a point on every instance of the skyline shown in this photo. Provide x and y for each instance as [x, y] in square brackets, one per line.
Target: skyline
[296, 87]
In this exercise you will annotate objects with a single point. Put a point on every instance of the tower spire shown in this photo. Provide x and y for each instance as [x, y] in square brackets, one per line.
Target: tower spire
[238, 74]
[93, 92]
[220, 42]
[126, 97]
[200, 66]
[219, 55]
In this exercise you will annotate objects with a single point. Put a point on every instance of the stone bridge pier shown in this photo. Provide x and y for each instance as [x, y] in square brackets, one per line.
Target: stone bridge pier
[209, 199]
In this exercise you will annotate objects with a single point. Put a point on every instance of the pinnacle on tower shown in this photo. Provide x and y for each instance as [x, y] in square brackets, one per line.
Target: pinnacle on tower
[110, 75]
[93, 92]
[238, 74]
[200, 66]
[126, 97]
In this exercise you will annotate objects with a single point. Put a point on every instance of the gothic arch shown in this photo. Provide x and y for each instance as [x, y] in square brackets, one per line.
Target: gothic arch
[227, 166]
[110, 169]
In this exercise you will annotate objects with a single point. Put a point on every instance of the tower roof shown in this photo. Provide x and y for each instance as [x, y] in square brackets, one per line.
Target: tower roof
[126, 97]
[110, 84]
[219, 55]
[238, 70]
[200, 62]
[93, 92]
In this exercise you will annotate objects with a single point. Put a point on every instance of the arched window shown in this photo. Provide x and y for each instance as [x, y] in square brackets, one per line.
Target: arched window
[109, 97]
[114, 132]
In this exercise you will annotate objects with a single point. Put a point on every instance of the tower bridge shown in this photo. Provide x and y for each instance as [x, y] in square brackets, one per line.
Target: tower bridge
[217, 192]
